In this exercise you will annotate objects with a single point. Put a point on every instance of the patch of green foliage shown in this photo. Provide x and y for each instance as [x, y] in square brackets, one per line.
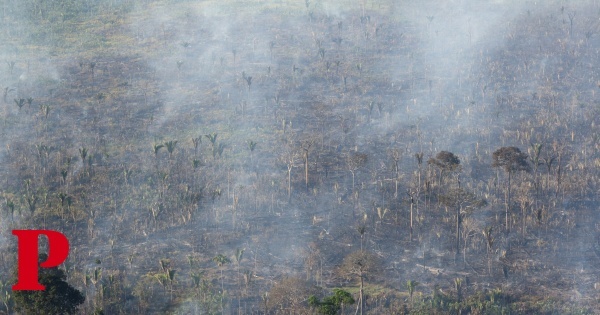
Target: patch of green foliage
[58, 298]
[331, 305]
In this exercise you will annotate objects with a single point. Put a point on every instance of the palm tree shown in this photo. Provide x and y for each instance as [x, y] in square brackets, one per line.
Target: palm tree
[196, 277]
[419, 157]
[239, 254]
[20, 102]
[361, 229]
[31, 202]
[411, 286]
[396, 156]
[221, 260]
[458, 285]
[248, 79]
[83, 152]
[218, 150]
[156, 148]
[167, 277]
[170, 145]
[171, 276]
[196, 142]
[212, 138]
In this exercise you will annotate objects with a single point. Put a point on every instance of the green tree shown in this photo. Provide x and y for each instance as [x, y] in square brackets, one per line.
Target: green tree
[331, 305]
[58, 298]
[411, 286]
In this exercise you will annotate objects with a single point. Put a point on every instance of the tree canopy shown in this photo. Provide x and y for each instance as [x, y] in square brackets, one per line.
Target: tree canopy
[511, 159]
[446, 161]
[58, 298]
[331, 305]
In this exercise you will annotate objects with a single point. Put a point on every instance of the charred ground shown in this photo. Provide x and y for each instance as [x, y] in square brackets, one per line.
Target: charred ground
[234, 158]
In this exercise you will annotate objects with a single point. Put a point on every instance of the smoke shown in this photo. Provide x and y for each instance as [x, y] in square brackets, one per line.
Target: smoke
[328, 79]
[443, 53]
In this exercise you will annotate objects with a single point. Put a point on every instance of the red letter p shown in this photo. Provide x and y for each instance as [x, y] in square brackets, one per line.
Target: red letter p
[58, 250]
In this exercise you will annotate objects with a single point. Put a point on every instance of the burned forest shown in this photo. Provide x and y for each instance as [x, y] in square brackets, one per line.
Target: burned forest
[303, 156]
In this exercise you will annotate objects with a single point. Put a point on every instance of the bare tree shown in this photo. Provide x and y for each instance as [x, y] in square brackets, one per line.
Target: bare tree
[306, 145]
[361, 264]
[463, 202]
[396, 156]
[290, 295]
[289, 157]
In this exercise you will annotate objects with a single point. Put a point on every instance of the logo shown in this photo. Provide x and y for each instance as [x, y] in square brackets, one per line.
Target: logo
[58, 250]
